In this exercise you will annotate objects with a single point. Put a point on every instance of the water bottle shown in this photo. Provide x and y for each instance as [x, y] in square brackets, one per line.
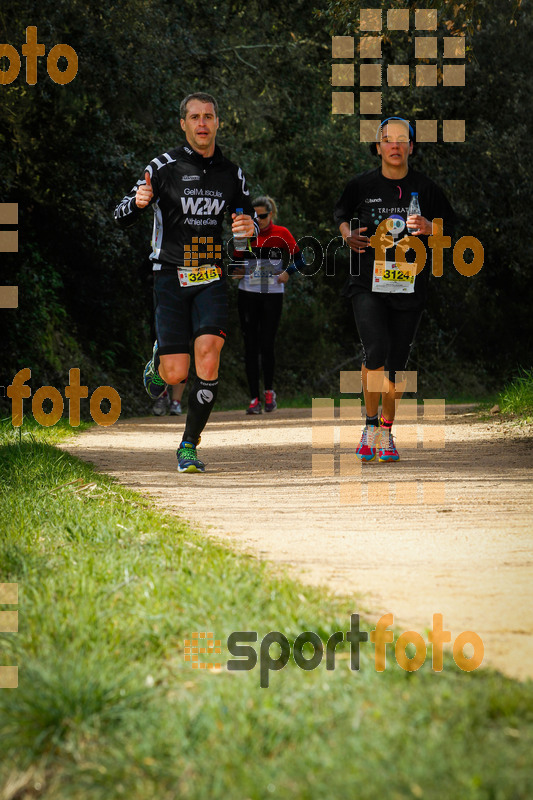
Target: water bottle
[414, 208]
[240, 242]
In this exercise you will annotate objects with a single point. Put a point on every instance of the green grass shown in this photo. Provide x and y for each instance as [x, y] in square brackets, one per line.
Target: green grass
[305, 401]
[517, 397]
[30, 430]
[107, 707]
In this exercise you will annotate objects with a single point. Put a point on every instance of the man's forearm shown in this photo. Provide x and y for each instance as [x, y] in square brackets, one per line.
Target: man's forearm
[127, 210]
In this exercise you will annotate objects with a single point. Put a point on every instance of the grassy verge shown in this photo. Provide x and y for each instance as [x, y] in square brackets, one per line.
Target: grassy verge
[517, 397]
[305, 401]
[31, 431]
[107, 707]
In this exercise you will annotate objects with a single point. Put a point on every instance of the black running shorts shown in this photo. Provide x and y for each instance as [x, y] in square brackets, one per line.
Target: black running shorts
[386, 332]
[184, 313]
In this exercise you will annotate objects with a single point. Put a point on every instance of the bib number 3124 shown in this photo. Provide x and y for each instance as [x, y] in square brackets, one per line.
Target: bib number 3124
[388, 277]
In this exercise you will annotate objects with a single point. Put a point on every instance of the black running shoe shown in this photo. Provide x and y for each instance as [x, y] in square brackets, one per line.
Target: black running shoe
[153, 382]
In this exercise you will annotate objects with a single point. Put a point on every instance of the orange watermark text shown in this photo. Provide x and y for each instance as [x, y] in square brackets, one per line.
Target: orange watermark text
[410, 649]
[32, 50]
[18, 390]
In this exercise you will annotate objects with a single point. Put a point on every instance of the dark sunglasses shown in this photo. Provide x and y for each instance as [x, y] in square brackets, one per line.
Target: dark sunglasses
[263, 216]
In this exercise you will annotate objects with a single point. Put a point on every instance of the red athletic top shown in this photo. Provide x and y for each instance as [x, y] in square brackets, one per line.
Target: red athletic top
[267, 251]
[275, 236]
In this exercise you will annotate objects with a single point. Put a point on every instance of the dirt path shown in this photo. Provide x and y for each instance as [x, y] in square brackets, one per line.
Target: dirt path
[468, 555]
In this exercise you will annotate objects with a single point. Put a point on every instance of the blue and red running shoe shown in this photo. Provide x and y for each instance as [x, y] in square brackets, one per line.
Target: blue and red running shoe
[366, 450]
[387, 449]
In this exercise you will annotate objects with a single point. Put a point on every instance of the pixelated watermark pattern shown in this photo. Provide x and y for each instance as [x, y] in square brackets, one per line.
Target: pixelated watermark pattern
[9, 623]
[246, 657]
[32, 50]
[410, 432]
[202, 643]
[9, 243]
[372, 77]
[202, 248]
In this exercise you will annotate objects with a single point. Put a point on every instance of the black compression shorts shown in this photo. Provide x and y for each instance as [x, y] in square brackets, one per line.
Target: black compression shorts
[386, 332]
[184, 313]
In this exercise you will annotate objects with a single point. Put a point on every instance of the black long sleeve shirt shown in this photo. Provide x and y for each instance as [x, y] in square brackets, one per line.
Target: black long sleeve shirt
[192, 194]
[371, 197]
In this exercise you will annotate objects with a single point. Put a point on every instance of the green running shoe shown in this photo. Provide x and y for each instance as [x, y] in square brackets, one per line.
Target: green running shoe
[188, 460]
[153, 382]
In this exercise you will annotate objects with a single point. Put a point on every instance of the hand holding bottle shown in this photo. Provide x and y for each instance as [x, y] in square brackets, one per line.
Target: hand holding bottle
[242, 228]
[417, 224]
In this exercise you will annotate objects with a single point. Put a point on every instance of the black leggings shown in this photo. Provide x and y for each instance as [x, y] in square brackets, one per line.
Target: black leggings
[386, 332]
[260, 314]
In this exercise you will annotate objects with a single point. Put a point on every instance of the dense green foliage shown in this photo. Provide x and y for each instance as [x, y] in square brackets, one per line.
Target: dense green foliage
[70, 152]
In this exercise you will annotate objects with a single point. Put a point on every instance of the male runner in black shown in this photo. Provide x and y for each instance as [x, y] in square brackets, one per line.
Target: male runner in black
[190, 188]
[387, 300]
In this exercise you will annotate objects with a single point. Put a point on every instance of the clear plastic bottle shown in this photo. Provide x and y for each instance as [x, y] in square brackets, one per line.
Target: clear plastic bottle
[414, 208]
[240, 242]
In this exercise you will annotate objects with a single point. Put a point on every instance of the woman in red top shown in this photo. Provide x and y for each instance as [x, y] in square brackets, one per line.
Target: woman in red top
[260, 298]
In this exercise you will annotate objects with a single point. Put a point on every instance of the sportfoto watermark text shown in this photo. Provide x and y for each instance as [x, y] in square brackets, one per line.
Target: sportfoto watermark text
[246, 657]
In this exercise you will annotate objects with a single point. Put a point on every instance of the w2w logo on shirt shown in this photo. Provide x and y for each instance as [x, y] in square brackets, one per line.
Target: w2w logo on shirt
[202, 205]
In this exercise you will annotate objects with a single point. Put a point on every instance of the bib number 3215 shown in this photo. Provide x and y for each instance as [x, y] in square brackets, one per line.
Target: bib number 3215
[206, 274]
